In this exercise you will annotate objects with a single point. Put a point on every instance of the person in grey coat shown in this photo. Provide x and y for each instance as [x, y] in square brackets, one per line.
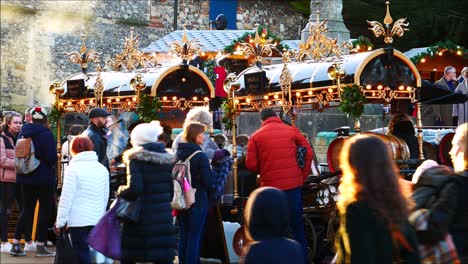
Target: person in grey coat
[201, 115]
[460, 111]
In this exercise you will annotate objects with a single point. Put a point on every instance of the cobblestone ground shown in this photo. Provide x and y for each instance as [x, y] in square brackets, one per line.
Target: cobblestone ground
[5, 258]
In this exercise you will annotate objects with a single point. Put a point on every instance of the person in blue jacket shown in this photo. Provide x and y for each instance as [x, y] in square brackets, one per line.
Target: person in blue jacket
[38, 185]
[266, 224]
[192, 221]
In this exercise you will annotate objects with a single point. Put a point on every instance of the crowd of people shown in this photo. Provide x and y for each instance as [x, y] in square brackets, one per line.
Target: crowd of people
[381, 219]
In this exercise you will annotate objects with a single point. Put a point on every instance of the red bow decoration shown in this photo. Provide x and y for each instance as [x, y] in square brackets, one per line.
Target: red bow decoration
[38, 109]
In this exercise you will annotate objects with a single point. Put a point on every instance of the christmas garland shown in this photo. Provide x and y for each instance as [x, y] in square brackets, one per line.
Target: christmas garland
[209, 66]
[441, 46]
[251, 35]
[352, 101]
[362, 44]
[228, 113]
[55, 114]
[148, 108]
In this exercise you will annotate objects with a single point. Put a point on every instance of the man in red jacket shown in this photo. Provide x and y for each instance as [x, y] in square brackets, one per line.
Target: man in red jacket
[271, 152]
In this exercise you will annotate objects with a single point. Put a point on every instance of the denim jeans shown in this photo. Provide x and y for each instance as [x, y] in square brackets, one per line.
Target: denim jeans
[296, 224]
[191, 225]
[79, 238]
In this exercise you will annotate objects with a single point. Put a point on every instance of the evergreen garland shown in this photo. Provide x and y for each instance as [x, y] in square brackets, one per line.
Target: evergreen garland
[251, 35]
[209, 66]
[54, 115]
[148, 108]
[363, 42]
[352, 101]
[228, 112]
[432, 51]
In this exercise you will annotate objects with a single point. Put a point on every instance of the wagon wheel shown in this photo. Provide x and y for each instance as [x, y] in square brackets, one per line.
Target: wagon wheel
[311, 236]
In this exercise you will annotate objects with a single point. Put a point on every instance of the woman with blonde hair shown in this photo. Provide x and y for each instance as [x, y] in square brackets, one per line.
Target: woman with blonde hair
[373, 206]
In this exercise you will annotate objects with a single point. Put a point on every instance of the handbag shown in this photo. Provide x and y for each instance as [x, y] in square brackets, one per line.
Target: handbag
[189, 193]
[128, 211]
[65, 254]
[300, 156]
[105, 237]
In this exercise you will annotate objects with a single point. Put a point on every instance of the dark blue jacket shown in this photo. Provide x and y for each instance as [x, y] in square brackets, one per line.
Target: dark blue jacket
[46, 152]
[98, 137]
[267, 221]
[200, 171]
[150, 179]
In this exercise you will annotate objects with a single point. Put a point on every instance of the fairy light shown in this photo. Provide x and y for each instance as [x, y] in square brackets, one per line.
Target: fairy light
[248, 100]
[164, 98]
[61, 103]
[368, 87]
[265, 97]
[276, 96]
[330, 90]
[109, 101]
[298, 94]
[408, 89]
[401, 87]
[195, 98]
[236, 101]
[423, 60]
[117, 99]
[369, 48]
[459, 53]
[309, 93]
[82, 101]
[69, 103]
[280, 102]
[91, 101]
[134, 99]
[174, 98]
[440, 53]
[379, 87]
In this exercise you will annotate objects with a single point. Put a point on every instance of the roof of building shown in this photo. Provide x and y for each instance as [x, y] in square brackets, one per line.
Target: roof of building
[414, 52]
[211, 40]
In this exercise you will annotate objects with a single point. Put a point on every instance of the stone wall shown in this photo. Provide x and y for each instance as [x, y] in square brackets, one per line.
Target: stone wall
[36, 34]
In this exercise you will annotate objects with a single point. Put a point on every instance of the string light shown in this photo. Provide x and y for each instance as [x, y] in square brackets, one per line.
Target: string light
[69, 103]
[276, 96]
[368, 87]
[174, 98]
[379, 87]
[310, 93]
[195, 98]
[423, 60]
[401, 87]
[459, 53]
[298, 94]
[265, 97]
[164, 98]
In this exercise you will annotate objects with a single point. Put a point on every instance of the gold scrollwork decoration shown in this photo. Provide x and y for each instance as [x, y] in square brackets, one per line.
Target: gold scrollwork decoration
[387, 94]
[98, 88]
[84, 56]
[258, 48]
[185, 49]
[398, 28]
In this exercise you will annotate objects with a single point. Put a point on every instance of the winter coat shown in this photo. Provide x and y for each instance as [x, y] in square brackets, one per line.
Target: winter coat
[461, 110]
[7, 158]
[208, 147]
[98, 137]
[85, 192]
[271, 151]
[267, 223]
[45, 152]
[449, 212]
[370, 239]
[405, 131]
[443, 110]
[200, 170]
[152, 239]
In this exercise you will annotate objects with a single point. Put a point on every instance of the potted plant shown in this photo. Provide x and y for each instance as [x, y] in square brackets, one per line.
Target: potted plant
[352, 103]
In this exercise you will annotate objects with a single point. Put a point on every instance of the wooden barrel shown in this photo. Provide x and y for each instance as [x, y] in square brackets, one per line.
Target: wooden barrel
[445, 146]
[430, 151]
[397, 147]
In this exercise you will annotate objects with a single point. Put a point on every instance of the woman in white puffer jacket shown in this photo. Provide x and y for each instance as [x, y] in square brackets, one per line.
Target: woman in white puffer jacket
[84, 195]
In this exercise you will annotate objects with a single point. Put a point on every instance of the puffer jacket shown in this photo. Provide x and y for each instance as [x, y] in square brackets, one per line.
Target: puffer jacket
[7, 158]
[271, 151]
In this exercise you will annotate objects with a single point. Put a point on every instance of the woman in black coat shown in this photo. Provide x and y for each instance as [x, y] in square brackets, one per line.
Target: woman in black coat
[152, 239]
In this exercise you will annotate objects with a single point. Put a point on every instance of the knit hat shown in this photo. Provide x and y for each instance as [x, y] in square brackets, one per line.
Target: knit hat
[38, 113]
[427, 164]
[146, 133]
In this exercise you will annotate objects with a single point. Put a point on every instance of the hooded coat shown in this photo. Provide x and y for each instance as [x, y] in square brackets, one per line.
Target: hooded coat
[267, 224]
[45, 152]
[152, 239]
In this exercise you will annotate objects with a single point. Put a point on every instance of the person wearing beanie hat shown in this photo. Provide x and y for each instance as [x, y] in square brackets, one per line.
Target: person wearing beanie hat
[38, 185]
[146, 133]
[96, 132]
[152, 239]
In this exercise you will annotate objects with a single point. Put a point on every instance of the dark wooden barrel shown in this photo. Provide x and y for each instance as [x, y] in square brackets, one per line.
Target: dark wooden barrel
[430, 151]
[444, 148]
[397, 147]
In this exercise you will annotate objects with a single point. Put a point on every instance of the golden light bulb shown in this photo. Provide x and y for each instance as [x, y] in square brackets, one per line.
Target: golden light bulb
[358, 47]
[440, 53]
[109, 101]
[81, 101]
[280, 102]
[236, 101]
[265, 97]
[69, 103]
[369, 48]
[423, 60]
[174, 98]
[117, 99]
[310, 100]
[276, 96]
[195, 98]
[401, 87]
[61, 103]
[134, 99]
[298, 94]
[310, 93]
[164, 98]
[368, 87]
[91, 101]
[408, 89]
[379, 87]
[459, 53]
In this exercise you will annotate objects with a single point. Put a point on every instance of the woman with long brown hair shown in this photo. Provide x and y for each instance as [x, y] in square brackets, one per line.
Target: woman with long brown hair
[373, 206]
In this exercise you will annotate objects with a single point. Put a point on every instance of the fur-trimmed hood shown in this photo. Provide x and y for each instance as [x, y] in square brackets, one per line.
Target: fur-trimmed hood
[150, 154]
